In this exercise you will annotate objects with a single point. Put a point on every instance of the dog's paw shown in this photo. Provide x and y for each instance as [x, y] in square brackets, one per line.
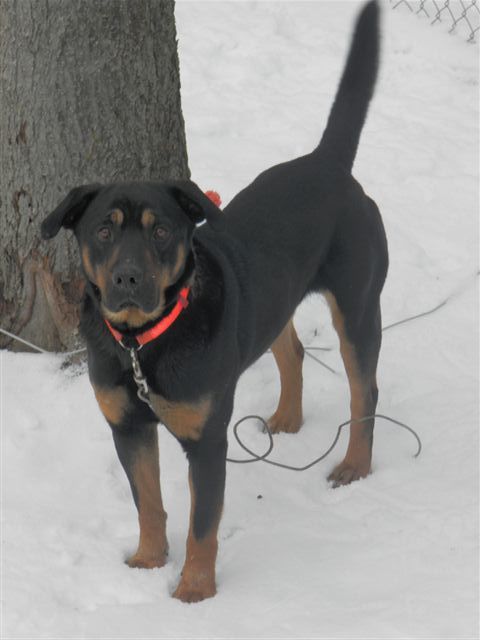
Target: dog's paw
[195, 590]
[285, 422]
[346, 472]
[138, 561]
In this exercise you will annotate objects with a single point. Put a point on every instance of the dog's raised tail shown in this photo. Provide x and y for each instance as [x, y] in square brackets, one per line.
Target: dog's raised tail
[347, 116]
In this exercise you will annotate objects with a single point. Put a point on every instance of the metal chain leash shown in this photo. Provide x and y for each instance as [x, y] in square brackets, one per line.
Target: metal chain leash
[139, 377]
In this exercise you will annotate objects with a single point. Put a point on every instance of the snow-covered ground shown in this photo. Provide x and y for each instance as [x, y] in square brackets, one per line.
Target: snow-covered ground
[393, 556]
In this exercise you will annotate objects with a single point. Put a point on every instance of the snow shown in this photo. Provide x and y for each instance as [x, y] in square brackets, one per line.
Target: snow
[392, 556]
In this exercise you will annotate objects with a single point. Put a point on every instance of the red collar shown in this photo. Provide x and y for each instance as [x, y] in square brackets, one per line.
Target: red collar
[161, 326]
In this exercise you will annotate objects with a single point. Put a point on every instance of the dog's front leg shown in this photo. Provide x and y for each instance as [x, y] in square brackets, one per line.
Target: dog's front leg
[137, 449]
[207, 460]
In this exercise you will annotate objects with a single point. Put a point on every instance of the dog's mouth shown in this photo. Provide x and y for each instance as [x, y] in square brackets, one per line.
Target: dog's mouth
[131, 315]
[127, 304]
[127, 313]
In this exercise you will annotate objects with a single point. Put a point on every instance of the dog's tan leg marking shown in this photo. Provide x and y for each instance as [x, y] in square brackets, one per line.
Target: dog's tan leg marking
[152, 546]
[288, 352]
[185, 420]
[144, 475]
[113, 402]
[357, 461]
[198, 575]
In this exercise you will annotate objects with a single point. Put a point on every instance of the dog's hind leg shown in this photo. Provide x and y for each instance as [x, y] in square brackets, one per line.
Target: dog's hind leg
[359, 332]
[288, 352]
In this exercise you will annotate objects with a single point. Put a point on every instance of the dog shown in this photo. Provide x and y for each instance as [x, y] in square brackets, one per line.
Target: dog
[176, 310]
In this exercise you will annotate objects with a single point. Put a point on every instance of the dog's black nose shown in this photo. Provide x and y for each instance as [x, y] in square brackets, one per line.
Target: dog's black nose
[127, 277]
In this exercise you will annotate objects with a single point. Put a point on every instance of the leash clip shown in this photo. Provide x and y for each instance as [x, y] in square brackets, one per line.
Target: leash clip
[143, 392]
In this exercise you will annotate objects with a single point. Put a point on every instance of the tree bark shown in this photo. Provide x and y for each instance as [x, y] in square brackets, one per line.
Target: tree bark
[89, 92]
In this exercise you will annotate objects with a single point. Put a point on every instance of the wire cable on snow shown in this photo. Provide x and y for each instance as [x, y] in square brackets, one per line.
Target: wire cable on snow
[263, 458]
[64, 354]
[26, 342]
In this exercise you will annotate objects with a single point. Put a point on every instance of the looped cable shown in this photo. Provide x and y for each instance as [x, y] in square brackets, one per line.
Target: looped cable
[263, 458]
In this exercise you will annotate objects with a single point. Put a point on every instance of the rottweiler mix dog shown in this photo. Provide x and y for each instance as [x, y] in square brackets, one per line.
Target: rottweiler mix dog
[173, 314]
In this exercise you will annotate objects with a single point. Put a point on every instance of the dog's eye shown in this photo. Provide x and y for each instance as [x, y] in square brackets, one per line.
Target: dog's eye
[104, 234]
[161, 233]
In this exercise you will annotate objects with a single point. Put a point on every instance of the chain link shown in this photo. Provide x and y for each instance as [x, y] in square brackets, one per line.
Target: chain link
[462, 14]
[140, 380]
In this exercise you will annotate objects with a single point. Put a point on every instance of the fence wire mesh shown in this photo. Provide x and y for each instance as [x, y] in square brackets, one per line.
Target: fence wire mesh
[462, 16]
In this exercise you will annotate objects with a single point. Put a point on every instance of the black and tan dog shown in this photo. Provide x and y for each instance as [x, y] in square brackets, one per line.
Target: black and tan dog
[205, 303]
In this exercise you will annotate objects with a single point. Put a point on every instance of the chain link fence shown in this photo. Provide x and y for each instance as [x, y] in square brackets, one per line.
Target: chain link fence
[462, 16]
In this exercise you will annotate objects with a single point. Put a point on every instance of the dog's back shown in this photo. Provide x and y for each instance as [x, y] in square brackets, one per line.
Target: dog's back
[287, 220]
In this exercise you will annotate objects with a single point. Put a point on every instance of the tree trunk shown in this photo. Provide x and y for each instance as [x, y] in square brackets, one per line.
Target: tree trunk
[89, 92]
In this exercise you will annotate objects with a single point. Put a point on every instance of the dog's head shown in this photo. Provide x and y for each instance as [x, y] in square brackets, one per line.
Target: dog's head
[135, 242]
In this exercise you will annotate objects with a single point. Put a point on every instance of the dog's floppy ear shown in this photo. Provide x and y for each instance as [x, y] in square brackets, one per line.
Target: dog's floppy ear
[196, 204]
[69, 210]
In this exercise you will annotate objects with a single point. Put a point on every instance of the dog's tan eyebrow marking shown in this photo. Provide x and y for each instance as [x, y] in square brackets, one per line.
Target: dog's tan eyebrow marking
[117, 216]
[148, 218]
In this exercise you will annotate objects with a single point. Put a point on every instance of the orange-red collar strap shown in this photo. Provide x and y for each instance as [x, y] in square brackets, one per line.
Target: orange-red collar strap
[161, 326]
